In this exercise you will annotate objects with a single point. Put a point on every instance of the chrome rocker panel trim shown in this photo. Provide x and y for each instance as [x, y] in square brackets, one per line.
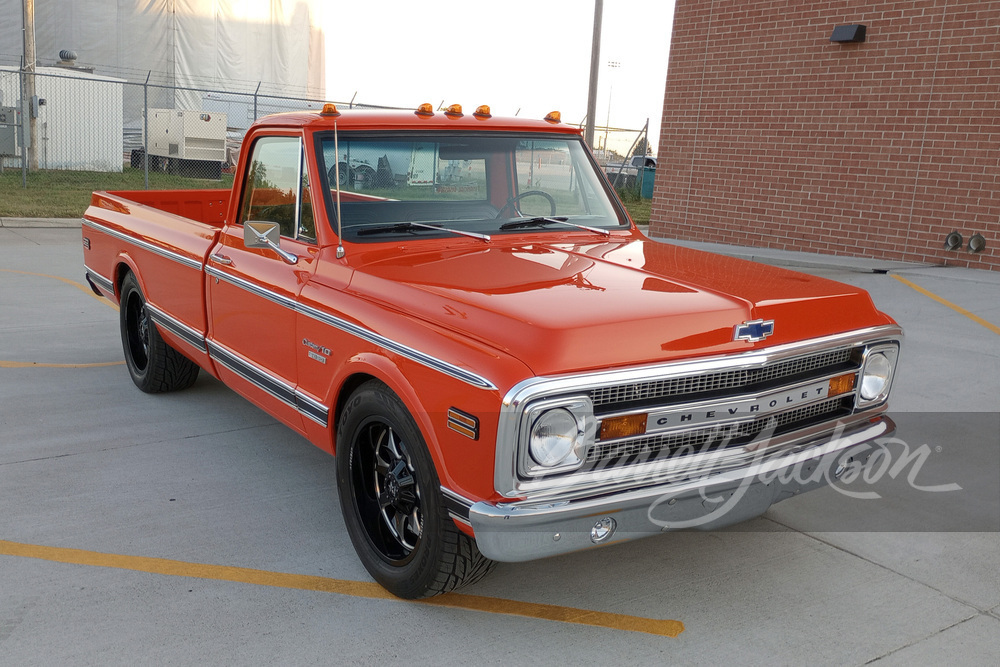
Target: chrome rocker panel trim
[528, 530]
[189, 335]
[100, 281]
[276, 387]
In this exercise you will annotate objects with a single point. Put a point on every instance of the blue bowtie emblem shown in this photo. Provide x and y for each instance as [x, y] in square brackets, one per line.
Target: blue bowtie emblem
[754, 331]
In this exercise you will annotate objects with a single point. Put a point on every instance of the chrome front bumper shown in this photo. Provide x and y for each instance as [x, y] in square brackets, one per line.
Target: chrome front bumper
[527, 530]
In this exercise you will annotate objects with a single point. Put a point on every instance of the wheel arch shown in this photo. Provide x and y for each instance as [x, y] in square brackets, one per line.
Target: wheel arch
[371, 366]
[125, 265]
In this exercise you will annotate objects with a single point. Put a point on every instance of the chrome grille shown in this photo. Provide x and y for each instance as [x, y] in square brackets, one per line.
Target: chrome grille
[665, 445]
[718, 381]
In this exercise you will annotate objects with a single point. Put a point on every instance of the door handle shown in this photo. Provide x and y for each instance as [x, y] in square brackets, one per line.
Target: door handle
[221, 259]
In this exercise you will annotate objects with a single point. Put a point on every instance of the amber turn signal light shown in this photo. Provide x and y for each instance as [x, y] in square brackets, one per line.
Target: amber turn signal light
[842, 384]
[623, 427]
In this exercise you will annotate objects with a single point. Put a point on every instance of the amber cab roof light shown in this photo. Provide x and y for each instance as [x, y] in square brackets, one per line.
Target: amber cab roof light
[454, 110]
[425, 109]
[329, 110]
[554, 117]
[483, 111]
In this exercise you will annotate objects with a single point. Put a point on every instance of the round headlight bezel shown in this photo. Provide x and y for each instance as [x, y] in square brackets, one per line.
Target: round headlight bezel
[876, 375]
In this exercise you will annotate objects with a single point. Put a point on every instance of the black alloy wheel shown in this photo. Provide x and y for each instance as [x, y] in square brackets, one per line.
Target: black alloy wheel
[391, 500]
[153, 365]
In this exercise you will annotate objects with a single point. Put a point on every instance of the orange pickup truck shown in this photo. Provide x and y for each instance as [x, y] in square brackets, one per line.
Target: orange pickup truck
[458, 307]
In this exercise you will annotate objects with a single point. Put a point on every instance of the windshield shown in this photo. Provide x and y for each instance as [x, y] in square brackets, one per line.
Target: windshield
[477, 184]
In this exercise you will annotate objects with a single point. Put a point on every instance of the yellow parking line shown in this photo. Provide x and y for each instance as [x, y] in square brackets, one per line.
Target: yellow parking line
[362, 589]
[80, 286]
[944, 302]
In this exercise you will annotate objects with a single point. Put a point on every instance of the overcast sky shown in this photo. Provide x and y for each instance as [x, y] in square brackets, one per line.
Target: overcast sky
[525, 57]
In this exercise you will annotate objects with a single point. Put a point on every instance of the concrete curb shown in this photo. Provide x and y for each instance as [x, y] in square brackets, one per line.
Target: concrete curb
[30, 223]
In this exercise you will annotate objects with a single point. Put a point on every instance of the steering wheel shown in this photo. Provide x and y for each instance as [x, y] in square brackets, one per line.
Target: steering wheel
[512, 202]
[346, 175]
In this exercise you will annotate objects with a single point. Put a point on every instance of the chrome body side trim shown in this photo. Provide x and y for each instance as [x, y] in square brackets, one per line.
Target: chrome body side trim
[509, 482]
[104, 283]
[402, 350]
[189, 335]
[145, 245]
[715, 498]
[252, 287]
[356, 330]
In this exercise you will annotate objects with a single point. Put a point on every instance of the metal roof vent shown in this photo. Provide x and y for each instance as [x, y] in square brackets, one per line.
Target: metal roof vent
[67, 60]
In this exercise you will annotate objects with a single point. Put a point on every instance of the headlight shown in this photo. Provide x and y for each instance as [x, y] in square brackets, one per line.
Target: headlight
[555, 437]
[876, 377]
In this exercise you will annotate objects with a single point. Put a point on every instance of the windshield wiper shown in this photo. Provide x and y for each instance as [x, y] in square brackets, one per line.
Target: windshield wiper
[398, 227]
[542, 221]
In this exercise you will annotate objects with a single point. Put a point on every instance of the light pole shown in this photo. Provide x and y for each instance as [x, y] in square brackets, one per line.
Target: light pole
[612, 65]
[595, 59]
[28, 96]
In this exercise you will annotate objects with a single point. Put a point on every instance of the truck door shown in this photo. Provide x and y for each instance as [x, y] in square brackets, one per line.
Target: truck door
[253, 291]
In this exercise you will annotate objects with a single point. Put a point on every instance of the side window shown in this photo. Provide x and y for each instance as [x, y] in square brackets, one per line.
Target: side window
[274, 185]
[307, 225]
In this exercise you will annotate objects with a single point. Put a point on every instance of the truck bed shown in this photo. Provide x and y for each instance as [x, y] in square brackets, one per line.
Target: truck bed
[208, 206]
[167, 232]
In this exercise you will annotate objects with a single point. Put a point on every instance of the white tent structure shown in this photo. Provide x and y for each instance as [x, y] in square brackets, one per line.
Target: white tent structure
[220, 44]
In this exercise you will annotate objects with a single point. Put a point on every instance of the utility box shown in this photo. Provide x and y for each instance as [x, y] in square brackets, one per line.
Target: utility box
[190, 143]
[648, 176]
[8, 131]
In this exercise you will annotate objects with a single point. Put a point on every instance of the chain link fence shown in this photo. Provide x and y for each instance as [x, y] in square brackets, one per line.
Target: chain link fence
[77, 129]
[626, 157]
[81, 124]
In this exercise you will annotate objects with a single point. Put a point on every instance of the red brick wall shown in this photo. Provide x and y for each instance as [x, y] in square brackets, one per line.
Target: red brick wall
[773, 136]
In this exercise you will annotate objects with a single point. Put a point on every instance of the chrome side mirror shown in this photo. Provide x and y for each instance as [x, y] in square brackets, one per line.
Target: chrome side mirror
[266, 235]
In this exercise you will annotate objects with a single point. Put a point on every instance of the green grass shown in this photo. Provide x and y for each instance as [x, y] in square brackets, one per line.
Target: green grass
[637, 207]
[66, 194]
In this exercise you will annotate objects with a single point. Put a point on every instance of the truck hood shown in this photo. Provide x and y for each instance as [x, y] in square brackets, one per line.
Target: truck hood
[560, 307]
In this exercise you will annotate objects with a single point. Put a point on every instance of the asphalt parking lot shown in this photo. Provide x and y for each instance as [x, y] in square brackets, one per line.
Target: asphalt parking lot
[191, 528]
